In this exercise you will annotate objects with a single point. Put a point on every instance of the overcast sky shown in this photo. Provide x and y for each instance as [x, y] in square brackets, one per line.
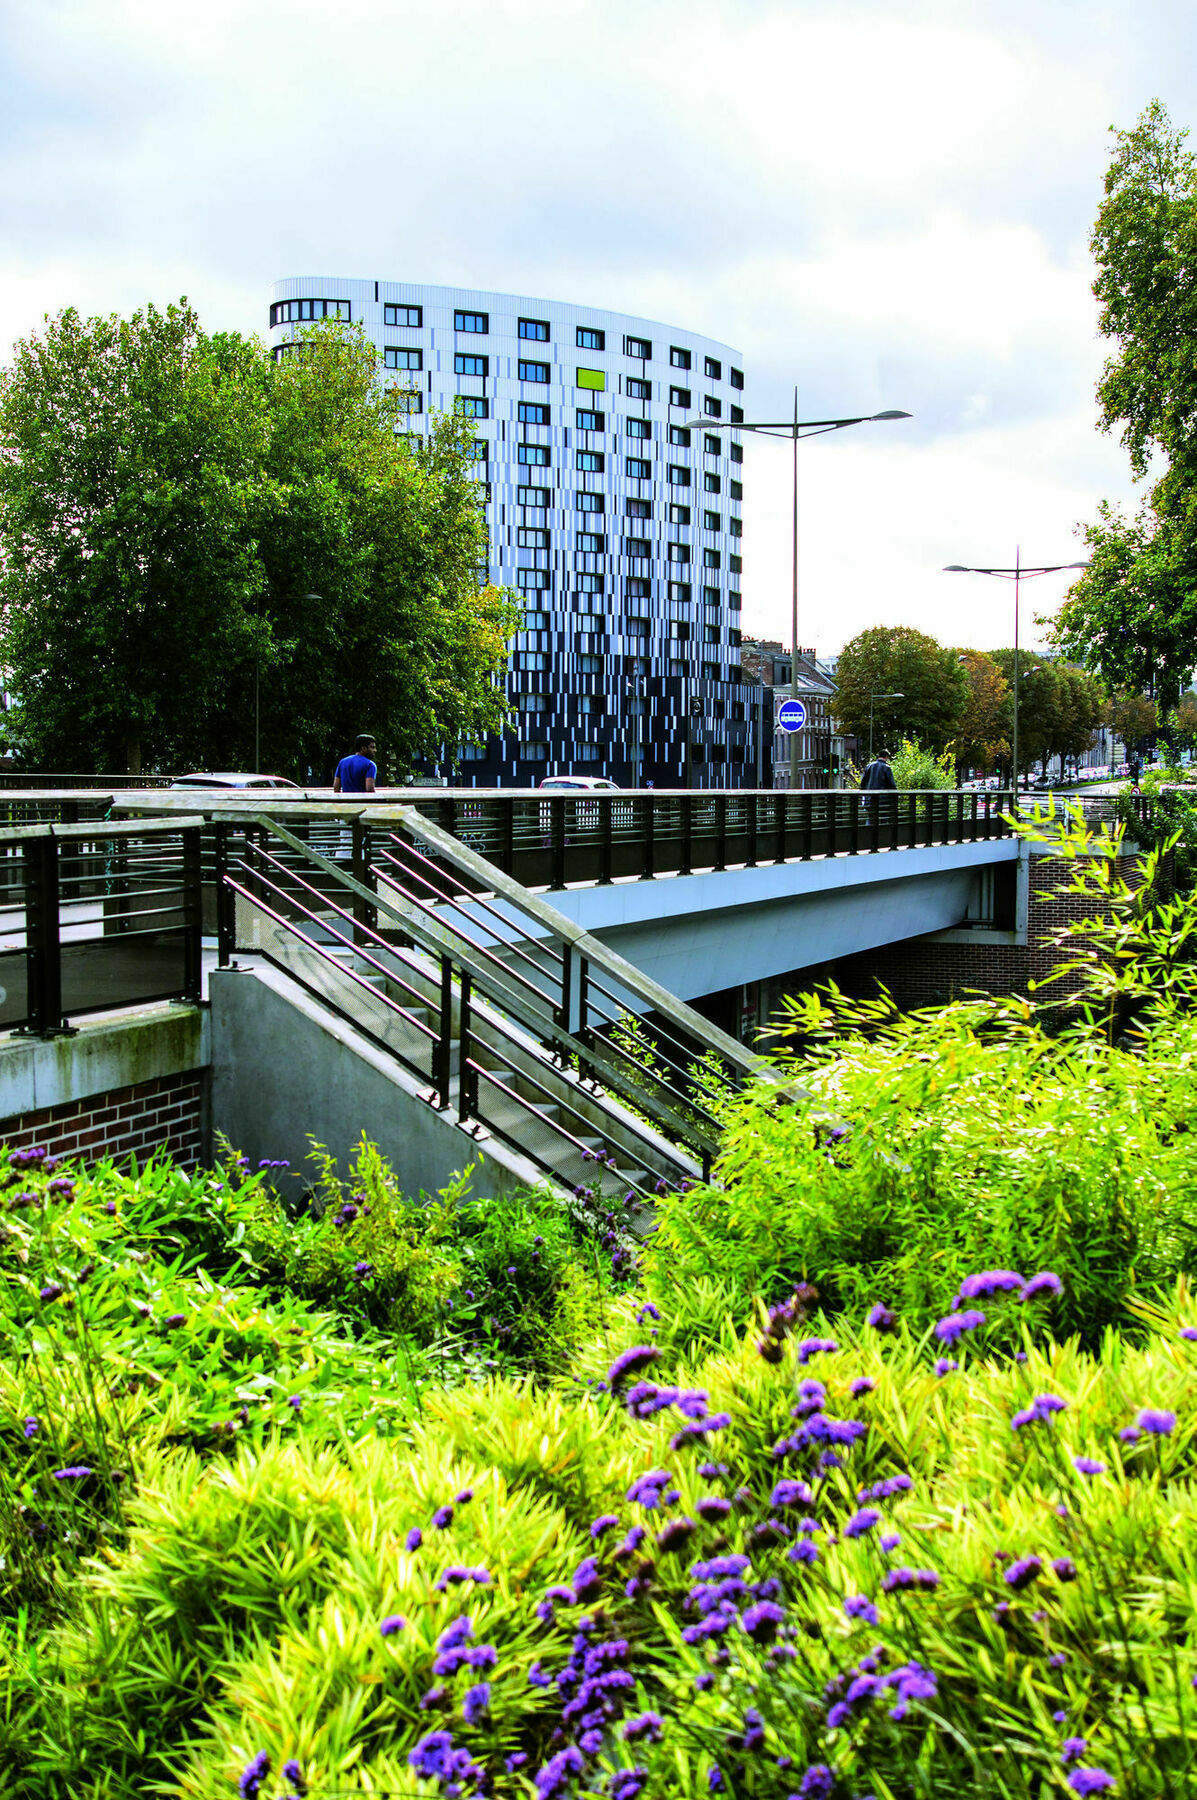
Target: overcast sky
[887, 202]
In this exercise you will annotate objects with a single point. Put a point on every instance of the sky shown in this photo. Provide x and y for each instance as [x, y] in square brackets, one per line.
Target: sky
[885, 203]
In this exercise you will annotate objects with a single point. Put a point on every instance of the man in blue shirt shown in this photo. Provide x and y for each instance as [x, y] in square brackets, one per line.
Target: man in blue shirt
[357, 774]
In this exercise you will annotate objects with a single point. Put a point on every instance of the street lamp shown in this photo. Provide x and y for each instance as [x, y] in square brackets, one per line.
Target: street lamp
[1020, 572]
[258, 699]
[876, 694]
[794, 429]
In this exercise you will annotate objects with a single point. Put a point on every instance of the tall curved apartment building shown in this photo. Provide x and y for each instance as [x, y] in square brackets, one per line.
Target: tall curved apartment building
[616, 520]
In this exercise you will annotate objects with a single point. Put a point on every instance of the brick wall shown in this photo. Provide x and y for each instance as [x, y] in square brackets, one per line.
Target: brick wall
[921, 973]
[166, 1113]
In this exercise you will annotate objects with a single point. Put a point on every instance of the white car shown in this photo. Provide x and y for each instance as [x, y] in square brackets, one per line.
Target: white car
[579, 784]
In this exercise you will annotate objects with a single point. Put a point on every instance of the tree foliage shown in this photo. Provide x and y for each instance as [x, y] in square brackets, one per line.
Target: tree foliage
[191, 531]
[1059, 707]
[895, 659]
[983, 732]
[1133, 613]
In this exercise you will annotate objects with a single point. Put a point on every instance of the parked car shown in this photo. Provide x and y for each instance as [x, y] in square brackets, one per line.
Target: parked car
[587, 784]
[228, 779]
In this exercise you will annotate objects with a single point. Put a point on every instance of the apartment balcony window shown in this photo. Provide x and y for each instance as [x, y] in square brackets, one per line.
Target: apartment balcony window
[711, 444]
[535, 661]
[590, 665]
[470, 406]
[636, 626]
[587, 338]
[736, 452]
[531, 538]
[590, 421]
[736, 564]
[736, 489]
[636, 588]
[711, 559]
[532, 412]
[736, 527]
[590, 503]
[710, 634]
[680, 592]
[737, 415]
[471, 321]
[533, 496]
[638, 468]
[532, 580]
[409, 317]
[712, 370]
[534, 371]
[409, 402]
[533, 703]
[712, 484]
[535, 621]
[534, 328]
[637, 546]
[679, 514]
[635, 389]
[679, 359]
[534, 752]
[393, 357]
[291, 312]
[532, 455]
[736, 377]
[710, 671]
[678, 475]
[678, 553]
[591, 462]
[640, 348]
[471, 365]
[710, 596]
[679, 631]
[591, 543]
[679, 435]
[712, 408]
[590, 584]
[638, 509]
[680, 397]
[637, 428]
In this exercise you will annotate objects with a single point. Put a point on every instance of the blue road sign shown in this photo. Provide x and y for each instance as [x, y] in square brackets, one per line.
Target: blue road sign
[791, 715]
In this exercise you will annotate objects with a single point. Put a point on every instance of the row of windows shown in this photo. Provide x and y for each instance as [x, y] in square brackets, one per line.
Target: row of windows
[536, 705]
[594, 543]
[596, 503]
[537, 662]
[637, 468]
[286, 312]
[635, 587]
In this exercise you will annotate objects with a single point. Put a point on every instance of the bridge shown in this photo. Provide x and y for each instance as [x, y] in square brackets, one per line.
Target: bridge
[433, 964]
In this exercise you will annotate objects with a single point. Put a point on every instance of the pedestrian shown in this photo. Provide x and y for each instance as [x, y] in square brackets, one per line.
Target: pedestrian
[878, 776]
[1134, 770]
[355, 774]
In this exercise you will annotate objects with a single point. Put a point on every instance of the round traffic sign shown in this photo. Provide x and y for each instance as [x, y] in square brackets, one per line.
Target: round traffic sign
[791, 715]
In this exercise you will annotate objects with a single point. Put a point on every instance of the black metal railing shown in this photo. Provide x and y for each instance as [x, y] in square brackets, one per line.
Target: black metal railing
[480, 1032]
[95, 917]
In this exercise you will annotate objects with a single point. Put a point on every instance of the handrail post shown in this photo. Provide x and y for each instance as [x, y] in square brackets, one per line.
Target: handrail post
[361, 866]
[721, 830]
[605, 829]
[805, 822]
[193, 925]
[507, 813]
[854, 828]
[648, 819]
[466, 1099]
[750, 802]
[685, 864]
[226, 901]
[443, 1048]
[43, 946]
[557, 828]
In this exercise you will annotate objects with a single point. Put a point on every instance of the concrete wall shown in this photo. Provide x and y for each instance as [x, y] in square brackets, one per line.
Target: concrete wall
[284, 1067]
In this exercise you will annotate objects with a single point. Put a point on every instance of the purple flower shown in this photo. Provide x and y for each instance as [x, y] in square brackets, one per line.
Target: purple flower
[295, 1402]
[815, 1347]
[859, 1606]
[1090, 1781]
[630, 1362]
[442, 1518]
[862, 1522]
[1020, 1574]
[952, 1329]
[646, 1726]
[1064, 1568]
[989, 1281]
[29, 1428]
[393, 1623]
[791, 1493]
[1043, 1283]
[1130, 1434]
[253, 1775]
[75, 1473]
[457, 1573]
[515, 1761]
[1159, 1424]
[1073, 1748]
[944, 1366]
[900, 1580]
[293, 1772]
[51, 1291]
[646, 1489]
[415, 1538]
[476, 1703]
[647, 1311]
[805, 1552]
[864, 1384]
[1088, 1465]
[816, 1783]
[711, 1470]
[1190, 1332]
[890, 1541]
[554, 1778]
[604, 1522]
[712, 1507]
[464, 1498]
[881, 1318]
[675, 1535]
[762, 1620]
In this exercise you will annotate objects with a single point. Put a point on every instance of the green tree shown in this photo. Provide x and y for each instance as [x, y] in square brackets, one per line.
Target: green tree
[1135, 718]
[895, 659]
[1132, 615]
[983, 732]
[1059, 707]
[189, 530]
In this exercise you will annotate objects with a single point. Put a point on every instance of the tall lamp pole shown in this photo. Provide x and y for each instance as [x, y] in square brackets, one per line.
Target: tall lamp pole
[1020, 572]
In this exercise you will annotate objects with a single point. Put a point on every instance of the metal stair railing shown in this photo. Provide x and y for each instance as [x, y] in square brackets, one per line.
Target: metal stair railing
[310, 920]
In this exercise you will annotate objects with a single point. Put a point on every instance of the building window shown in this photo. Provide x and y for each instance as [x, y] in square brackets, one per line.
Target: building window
[679, 515]
[713, 485]
[410, 316]
[680, 592]
[533, 703]
[636, 587]
[710, 521]
[636, 546]
[534, 455]
[733, 601]
[534, 371]
[590, 421]
[638, 390]
[591, 378]
[535, 621]
[529, 537]
[736, 377]
[710, 671]
[471, 321]
[677, 476]
[710, 634]
[735, 564]
[588, 752]
[710, 596]
[712, 408]
[736, 489]
[711, 559]
[403, 359]
[469, 406]
[638, 468]
[677, 553]
[592, 503]
[734, 636]
[535, 328]
[737, 711]
[533, 751]
[679, 435]
[711, 369]
[737, 415]
[591, 703]
[470, 365]
[528, 579]
[636, 626]
[591, 543]
[736, 527]
[736, 452]
[718, 753]
[532, 412]
[533, 496]
[472, 753]
[590, 665]
[591, 584]
[589, 339]
[637, 428]
[408, 402]
[638, 509]
[711, 444]
[680, 397]
[531, 659]
[679, 359]
[291, 312]
[679, 630]
[592, 461]
[641, 348]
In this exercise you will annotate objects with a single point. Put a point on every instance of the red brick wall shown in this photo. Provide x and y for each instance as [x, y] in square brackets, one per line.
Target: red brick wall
[163, 1114]
[920, 973]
